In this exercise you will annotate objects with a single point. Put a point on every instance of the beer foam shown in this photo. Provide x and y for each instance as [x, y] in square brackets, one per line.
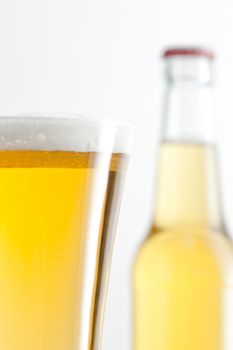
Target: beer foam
[65, 132]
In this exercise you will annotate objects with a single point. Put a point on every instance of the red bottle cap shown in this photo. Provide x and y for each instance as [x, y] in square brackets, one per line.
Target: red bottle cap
[189, 51]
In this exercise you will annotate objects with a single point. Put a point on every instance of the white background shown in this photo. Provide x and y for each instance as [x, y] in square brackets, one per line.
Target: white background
[102, 56]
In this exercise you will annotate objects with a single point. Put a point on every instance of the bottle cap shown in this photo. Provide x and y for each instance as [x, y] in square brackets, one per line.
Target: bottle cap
[189, 51]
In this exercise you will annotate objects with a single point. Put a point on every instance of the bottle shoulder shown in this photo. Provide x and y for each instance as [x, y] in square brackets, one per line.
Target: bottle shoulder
[188, 240]
[183, 256]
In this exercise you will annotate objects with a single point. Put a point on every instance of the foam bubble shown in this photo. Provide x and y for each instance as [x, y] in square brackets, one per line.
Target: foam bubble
[67, 132]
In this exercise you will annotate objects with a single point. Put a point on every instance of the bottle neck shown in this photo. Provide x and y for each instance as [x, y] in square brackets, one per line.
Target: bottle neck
[188, 189]
[188, 113]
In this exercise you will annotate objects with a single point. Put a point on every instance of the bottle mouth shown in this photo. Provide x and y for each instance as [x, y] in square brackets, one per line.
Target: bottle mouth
[189, 65]
[188, 52]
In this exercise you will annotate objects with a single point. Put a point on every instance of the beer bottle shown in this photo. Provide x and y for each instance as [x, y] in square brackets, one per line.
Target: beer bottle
[183, 273]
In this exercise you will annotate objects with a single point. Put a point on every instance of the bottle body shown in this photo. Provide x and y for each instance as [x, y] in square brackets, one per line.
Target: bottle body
[183, 276]
[183, 292]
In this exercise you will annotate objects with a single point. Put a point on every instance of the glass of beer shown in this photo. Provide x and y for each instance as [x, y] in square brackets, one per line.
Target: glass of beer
[61, 183]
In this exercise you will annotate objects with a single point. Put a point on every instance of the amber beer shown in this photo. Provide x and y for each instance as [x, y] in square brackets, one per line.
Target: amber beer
[60, 185]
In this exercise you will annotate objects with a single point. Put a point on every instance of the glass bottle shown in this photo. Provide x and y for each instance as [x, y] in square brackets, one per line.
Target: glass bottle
[183, 273]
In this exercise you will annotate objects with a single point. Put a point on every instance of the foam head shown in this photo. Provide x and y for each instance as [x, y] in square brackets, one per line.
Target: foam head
[66, 132]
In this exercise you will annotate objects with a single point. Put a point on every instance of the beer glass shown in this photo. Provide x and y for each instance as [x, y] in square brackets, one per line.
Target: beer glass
[61, 183]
